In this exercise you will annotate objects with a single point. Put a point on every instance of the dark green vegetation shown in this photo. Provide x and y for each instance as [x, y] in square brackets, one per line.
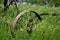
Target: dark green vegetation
[45, 2]
[1, 1]
[47, 29]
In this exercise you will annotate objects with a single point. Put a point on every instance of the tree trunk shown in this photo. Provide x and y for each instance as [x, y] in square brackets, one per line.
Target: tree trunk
[5, 3]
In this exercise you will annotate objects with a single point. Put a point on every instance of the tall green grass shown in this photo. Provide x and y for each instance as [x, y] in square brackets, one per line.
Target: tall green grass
[47, 29]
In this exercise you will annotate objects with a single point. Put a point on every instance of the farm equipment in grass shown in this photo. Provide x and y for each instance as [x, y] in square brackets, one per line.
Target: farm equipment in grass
[29, 28]
[30, 21]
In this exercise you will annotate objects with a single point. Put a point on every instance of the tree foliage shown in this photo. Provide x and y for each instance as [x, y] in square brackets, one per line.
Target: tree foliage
[1, 1]
[50, 2]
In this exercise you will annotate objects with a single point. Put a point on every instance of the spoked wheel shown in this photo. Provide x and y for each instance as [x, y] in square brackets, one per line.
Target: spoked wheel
[25, 18]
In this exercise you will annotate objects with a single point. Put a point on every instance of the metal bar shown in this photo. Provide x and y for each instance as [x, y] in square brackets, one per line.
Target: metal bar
[16, 6]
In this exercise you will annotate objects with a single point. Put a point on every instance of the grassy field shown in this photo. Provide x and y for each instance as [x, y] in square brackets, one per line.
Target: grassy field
[47, 29]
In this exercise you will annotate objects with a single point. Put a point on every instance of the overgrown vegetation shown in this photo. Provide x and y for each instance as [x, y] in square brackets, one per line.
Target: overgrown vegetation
[45, 2]
[47, 29]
